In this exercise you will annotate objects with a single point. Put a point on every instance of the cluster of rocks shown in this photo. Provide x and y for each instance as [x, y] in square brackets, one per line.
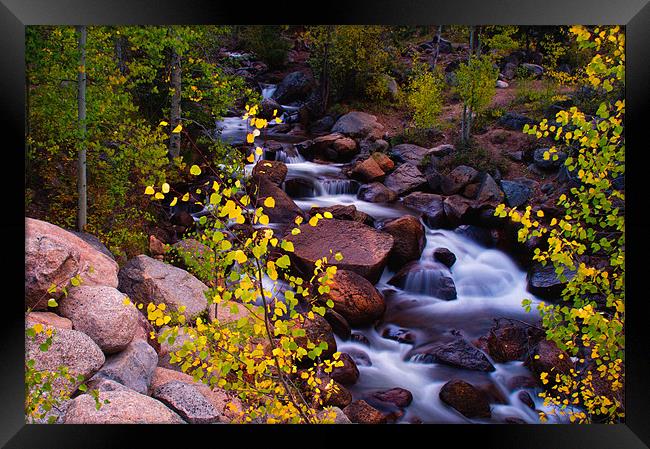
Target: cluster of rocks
[101, 336]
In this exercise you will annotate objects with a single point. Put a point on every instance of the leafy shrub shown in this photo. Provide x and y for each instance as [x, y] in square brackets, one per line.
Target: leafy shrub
[267, 42]
[264, 354]
[424, 95]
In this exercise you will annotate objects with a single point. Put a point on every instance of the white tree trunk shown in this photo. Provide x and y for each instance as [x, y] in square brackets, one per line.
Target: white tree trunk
[82, 204]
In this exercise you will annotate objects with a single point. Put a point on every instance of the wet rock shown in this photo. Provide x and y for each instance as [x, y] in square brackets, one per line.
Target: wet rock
[524, 397]
[397, 396]
[412, 154]
[340, 325]
[273, 171]
[268, 107]
[546, 357]
[53, 256]
[554, 161]
[361, 358]
[359, 125]
[489, 192]
[355, 298]
[405, 179]
[516, 193]
[187, 401]
[444, 256]
[514, 121]
[285, 209]
[458, 353]
[123, 407]
[457, 179]
[48, 319]
[364, 249]
[428, 278]
[483, 236]
[368, 171]
[69, 348]
[408, 235]
[518, 382]
[376, 193]
[348, 374]
[361, 412]
[502, 84]
[345, 148]
[544, 282]
[431, 206]
[341, 212]
[457, 209]
[300, 188]
[399, 335]
[514, 420]
[467, 399]
[100, 313]
[132, 367]
[507, 343]
[146, 280]
[339, 396]
[294, 86]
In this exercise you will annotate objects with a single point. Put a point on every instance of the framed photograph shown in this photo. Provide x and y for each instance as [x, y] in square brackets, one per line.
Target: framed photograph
[326, 222]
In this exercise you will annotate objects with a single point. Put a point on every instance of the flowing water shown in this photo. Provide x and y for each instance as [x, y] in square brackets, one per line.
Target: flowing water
[489, 286]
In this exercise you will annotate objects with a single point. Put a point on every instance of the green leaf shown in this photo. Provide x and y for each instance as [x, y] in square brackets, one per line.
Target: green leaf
[52, 302]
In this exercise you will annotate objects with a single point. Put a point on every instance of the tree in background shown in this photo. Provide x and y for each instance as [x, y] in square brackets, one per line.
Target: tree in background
[352, 56]
[424, 95]
[128, 72]
[476, 86]
[267, 42]
[586, 245]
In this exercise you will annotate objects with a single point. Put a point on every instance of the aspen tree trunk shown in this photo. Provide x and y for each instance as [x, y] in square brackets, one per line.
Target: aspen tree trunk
[325, 75]
[437, 53]
[175, 112]
[467, 112]
[81, 112]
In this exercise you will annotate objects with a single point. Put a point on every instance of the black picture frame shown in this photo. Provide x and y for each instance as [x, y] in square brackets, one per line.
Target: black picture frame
[16, 14]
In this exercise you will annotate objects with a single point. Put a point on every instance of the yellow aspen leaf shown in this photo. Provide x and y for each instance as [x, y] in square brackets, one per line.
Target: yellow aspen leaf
[195, 170]
[186, 197]
[159, 196]
[313, 221]
[165, 188]
[178, 129]
[264, 219]
[251, 158]
[163, 123]
[174, 201]
[149, 190]
[328, 215]
[269, 202]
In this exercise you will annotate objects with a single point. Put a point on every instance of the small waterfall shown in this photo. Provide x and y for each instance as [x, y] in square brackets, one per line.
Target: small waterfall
[289, 157]
[336, 186]
[268, 90]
